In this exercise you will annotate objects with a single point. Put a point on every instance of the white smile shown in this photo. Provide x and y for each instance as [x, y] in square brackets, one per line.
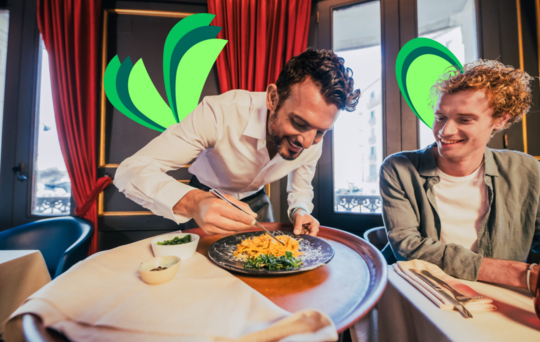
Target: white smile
[293, 146]
[444, 141]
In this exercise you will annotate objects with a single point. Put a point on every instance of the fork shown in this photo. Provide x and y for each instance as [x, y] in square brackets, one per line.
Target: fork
[459, 296]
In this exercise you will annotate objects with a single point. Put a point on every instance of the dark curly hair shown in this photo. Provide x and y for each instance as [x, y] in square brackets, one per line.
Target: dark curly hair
[327, 70]
[509, 89]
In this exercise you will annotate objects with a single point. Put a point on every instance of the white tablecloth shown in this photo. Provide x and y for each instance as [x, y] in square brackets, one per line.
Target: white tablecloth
[404, 314]
[103, 299]
[21, 274]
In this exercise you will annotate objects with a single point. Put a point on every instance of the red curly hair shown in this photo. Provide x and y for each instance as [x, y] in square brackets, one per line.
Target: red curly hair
[509, 89]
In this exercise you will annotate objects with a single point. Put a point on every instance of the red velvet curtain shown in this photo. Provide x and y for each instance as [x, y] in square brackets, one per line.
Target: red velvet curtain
[71, 31]
[263, 35]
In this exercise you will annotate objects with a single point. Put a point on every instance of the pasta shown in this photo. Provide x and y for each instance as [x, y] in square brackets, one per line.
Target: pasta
[264, 244]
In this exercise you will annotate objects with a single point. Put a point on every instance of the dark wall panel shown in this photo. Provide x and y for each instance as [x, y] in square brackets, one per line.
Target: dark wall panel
[138, 37]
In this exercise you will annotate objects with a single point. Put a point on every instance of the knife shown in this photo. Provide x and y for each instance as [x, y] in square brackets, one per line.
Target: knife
[437, 288]
[220, 195]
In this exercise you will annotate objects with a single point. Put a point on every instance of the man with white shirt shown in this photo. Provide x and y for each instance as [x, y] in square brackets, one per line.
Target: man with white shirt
[241, 141]
[471, 210]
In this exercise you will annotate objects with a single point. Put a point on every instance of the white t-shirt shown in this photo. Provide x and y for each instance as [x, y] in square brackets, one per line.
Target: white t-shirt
[462, 203]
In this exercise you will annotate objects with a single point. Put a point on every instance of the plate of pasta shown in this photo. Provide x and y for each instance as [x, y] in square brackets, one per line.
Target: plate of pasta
[259, 254]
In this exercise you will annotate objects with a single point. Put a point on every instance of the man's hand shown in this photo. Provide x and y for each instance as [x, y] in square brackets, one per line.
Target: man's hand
[507, 272]
[214, 215]
[304, 223]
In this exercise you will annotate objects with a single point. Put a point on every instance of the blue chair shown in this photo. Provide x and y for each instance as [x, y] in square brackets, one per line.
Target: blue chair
[378, 238]
[63, 241]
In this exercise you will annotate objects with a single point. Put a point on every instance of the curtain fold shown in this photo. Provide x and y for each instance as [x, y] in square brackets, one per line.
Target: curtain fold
[71, 31]
[263, 35]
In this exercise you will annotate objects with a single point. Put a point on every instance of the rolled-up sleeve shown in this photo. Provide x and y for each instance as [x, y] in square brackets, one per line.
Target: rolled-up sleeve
[142, 177]
[402, 215]
[299, 185]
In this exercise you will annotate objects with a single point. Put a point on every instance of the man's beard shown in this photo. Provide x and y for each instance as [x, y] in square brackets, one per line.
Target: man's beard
[278, 141]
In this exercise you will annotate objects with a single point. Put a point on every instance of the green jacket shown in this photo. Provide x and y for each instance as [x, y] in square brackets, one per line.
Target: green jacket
[509, 230]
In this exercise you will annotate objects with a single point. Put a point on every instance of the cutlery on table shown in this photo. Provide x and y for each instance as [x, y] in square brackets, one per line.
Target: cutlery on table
[221, 196]
[439, 289]
[459, 296]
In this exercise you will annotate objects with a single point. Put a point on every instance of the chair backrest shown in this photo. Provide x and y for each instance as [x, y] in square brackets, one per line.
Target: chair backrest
[377, 237]
[61, 240]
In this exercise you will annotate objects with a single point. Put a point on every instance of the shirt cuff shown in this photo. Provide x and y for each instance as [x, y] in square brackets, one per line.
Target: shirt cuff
[167, 198]
[300, 205]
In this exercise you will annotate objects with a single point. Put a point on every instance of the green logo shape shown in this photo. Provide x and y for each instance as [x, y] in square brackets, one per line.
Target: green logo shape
[189, 53]
[420, 63]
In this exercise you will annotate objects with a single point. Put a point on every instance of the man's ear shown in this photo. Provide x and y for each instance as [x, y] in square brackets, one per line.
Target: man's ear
[272, 97]
[500, 122]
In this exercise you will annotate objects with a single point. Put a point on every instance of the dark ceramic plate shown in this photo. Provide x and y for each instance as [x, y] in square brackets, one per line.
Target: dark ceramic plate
[317, 252]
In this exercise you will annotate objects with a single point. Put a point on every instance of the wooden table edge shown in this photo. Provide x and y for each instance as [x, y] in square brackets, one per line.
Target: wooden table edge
[34, 331]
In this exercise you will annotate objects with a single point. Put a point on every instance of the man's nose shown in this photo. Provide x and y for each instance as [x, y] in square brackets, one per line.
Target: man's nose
[306, 139]
[449, 128]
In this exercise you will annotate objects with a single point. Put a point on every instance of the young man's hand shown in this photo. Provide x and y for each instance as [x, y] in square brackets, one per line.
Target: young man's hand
[304, 223]
[214, 215]
[507, 272]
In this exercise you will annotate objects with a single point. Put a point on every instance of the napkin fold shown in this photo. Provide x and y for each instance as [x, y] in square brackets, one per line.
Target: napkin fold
[103, 299]
[403, 269]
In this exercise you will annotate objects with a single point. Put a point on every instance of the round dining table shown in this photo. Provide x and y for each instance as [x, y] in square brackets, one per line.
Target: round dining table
[345, 289]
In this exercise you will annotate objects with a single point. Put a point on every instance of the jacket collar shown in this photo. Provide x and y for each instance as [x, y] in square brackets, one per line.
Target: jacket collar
[428, 165]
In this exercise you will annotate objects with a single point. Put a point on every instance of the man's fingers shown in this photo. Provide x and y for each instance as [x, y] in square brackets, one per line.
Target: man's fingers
[234, 214]
[298, 229]
[242, 205]
[229, 225]
[313, 229]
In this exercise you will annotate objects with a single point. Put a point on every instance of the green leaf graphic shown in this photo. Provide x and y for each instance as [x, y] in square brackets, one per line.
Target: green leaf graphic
[420, 63]
[193, 71]
[189, 53]
[173, 39]
[123, 93]
[109, 83]
[184, 45]
[146, 97]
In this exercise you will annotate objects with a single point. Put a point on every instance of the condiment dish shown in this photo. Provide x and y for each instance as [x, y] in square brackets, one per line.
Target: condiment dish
[183, 251]
[172, 264]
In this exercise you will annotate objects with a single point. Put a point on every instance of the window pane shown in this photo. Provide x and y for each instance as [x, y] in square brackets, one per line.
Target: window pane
[357, 144]
[51, 195]
[453, 24]
[4, 28]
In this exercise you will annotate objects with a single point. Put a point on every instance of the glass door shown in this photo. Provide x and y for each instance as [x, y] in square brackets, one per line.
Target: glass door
[347, 185]
[368, 34]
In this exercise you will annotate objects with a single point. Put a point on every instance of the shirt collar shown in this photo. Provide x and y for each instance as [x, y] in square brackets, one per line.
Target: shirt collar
[256, 127]
[491, 168]
[428, 165]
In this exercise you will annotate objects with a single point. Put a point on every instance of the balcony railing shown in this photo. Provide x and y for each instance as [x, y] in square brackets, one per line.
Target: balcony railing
[52, 205]
[350, 201]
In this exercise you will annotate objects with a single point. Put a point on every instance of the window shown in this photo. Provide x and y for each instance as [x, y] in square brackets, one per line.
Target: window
[51, 187]
[453, 24]
[357, 138]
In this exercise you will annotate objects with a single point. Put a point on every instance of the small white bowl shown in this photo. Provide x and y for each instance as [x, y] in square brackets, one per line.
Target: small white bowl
[183, 251]
[159, 277]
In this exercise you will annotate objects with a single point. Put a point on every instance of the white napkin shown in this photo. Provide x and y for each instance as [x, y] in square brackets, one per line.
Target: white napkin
[103, 299]
[403, 269]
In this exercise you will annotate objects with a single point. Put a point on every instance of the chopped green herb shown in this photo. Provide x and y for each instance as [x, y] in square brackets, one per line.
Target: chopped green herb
[285, 262]
[176, 241]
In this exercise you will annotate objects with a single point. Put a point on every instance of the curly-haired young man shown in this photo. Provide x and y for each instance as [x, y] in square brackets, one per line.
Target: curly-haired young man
[241, 141]
[471, 210]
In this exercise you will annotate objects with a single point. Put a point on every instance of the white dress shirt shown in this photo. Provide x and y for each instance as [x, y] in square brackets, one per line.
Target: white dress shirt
[227, 135]
[462, 203]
